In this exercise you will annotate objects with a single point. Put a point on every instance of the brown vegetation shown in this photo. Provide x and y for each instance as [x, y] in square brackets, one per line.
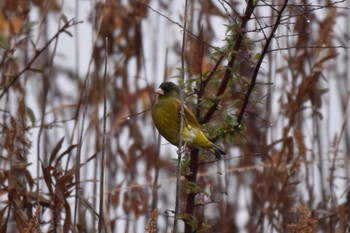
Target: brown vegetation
[79, 152]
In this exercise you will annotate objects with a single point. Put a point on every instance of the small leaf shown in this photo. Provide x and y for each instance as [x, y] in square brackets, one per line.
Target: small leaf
[238, 129]
[31, 115]
[33, 44]
[30, 25]
[55, 150]
[190, 220]
[185, 171]
[48, 178]
[192, 187]
[36, 70]
[228, 118]
[68, 33]
[66, 152]
[257, 56]
[204, 227]
[4, 43]
[64, 18]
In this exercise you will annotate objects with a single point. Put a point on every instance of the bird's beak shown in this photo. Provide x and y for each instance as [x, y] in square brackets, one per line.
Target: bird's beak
[159, 91]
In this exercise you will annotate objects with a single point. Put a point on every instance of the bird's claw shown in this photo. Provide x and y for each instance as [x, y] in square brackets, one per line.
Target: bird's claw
[183, 149]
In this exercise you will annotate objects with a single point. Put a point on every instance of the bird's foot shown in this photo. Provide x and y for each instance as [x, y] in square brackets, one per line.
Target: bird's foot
[182, 149]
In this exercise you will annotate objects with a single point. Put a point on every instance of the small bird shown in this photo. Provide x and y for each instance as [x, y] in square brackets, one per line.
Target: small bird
[166, 117]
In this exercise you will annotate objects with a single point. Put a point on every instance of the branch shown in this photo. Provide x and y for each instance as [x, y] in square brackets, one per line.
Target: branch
[310, 47]
[257, 67]
[182, 114]
[182, 27]
[234, 54]
[67, 25]
[102, 217]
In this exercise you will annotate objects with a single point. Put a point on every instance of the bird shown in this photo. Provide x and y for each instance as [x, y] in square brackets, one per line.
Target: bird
[166, 114]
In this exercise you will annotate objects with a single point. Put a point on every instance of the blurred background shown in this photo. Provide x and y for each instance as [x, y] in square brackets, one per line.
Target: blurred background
[79, 151]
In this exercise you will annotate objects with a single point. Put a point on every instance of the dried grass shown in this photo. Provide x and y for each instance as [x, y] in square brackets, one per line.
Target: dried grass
[283, 169]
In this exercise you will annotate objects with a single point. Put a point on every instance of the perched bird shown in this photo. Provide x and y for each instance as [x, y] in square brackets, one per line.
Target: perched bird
[166, 117]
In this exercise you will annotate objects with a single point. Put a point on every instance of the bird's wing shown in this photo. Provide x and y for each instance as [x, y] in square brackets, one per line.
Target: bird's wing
[189, 120]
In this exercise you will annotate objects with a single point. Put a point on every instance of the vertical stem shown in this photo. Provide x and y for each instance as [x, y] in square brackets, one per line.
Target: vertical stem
[190, 202]
[179, 152]
[101, 220]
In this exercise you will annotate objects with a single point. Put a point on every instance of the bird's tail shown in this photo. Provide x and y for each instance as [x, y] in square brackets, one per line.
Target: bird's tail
[214, 150]
[218, 152]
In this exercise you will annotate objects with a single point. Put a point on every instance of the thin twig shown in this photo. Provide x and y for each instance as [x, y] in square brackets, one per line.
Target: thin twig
[46, 86]
[38, 52]
[101, 220]
[228, 74]
[310, 47]
[183, 27]
[179, 151]
[81, 104]
[257, 67]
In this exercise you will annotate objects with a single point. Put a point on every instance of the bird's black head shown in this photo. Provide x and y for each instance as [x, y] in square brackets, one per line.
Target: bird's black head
[168, 89]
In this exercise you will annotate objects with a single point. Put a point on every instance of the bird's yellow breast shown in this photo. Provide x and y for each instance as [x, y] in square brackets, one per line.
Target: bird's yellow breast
[166, 117]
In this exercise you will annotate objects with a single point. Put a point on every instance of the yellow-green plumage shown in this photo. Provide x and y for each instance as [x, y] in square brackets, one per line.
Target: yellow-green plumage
[166, 117]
